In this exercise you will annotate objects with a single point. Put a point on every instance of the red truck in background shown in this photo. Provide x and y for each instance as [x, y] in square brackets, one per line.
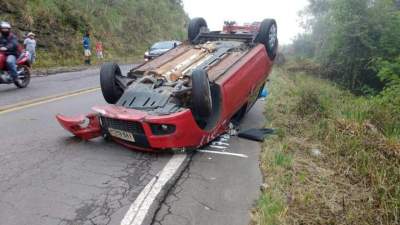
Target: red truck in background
[233, 27]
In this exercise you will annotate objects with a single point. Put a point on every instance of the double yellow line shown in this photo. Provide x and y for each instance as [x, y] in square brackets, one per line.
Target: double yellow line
[44, 100]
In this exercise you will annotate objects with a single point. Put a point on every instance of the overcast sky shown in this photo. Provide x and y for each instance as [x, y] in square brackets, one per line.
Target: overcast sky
[215, 12]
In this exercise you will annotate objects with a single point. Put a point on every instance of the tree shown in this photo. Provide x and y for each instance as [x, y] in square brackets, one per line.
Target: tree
[351, 38]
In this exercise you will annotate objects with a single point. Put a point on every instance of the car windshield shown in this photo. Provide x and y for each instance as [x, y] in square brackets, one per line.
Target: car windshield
[162, 45]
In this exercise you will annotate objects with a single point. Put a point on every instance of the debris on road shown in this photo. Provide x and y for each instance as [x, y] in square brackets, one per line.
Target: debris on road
[256, 134]
[315, 152]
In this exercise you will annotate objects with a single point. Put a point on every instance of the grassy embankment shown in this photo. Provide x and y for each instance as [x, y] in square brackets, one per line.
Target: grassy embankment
[335, 158]
[126, 28]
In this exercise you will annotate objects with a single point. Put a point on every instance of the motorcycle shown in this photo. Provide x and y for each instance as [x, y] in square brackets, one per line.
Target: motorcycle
[23, 70]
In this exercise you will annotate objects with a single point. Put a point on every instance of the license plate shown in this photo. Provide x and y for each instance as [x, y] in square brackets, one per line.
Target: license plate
[121, 134]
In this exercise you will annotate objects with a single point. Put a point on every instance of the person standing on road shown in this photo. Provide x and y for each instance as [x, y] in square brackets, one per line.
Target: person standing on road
[86, 48]
[9, 45]
[30, 46]
[99, 50]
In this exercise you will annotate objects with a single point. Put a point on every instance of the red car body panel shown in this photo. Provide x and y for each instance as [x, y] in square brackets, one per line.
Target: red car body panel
[240, 82]
[76, 125]
[237, 87]
[183, 121]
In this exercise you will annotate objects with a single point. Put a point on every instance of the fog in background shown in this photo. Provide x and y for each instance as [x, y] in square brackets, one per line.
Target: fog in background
[215, 12]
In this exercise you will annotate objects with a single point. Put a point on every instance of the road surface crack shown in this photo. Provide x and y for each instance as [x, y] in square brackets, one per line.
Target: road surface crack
[172, 196]
[116, 194]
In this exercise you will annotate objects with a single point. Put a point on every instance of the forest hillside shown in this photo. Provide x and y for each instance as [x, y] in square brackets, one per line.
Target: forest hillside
[126, 27]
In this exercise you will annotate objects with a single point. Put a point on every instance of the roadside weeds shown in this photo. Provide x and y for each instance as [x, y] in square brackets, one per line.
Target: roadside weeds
[330, 162]
[47, 67]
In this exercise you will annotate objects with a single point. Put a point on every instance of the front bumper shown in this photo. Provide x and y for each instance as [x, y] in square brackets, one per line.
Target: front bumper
[185, 135]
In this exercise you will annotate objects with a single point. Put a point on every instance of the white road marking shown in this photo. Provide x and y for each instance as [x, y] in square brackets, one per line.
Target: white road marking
[140, 207]
[223, 153]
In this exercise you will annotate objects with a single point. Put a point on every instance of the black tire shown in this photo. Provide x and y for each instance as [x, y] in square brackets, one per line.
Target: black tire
[24, 78]
[109, 86]
[201, 95]
[196, 25]
[268, 36]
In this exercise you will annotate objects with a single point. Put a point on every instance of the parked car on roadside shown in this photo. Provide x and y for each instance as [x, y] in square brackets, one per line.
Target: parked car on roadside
[160, 48]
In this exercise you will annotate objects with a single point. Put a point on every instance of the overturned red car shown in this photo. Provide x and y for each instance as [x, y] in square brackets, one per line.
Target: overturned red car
[186, 97]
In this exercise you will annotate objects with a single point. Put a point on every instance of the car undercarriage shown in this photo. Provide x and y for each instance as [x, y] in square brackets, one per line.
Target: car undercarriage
[166, 89]
[186, 97]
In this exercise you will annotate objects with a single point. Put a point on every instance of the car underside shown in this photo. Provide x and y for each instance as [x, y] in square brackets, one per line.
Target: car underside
[186, 97]
[165, 86]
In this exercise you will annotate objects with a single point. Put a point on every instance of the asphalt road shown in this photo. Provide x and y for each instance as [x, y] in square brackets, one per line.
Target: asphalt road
[218, 188]
[52, 85]
[48, 177]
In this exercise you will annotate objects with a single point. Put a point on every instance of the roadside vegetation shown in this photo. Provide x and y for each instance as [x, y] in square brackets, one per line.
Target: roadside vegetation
[126, 28]
[335, 158]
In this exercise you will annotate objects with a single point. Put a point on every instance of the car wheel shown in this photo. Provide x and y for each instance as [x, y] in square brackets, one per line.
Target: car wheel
[201, 95]
[196, 26]
[24, 77]
[268, 36]
[110, 88]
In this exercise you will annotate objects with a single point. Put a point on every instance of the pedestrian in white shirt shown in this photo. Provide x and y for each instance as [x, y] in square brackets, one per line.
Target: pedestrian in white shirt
[30, 46]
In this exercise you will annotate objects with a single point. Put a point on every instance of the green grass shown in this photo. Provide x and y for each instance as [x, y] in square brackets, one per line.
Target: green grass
[355, 179]
[283, 160]
[46, 60]
[270, 207]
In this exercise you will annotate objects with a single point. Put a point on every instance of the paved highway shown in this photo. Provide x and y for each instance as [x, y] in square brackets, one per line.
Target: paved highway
[48, 177]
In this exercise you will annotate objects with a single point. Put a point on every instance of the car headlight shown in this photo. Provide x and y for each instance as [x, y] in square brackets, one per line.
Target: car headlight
[146, 53]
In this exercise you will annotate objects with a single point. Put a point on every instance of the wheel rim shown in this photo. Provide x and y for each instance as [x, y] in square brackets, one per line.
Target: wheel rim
[272, 37]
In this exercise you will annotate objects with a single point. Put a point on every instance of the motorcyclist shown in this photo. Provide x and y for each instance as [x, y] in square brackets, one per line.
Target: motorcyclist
[9, 45]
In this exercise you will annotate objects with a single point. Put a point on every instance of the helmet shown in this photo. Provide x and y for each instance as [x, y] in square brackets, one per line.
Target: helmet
[5, 28]
[5, 25]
